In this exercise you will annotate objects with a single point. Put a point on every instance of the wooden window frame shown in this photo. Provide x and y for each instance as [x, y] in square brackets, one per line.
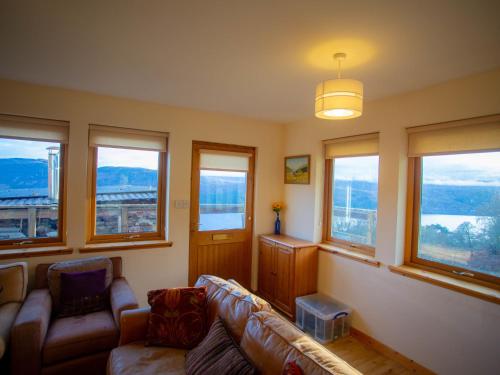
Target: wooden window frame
[413, 202]
[158, 235]
[327, 218]
[60, 240]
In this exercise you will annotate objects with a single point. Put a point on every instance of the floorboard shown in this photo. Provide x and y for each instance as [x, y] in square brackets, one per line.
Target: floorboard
[365, 359]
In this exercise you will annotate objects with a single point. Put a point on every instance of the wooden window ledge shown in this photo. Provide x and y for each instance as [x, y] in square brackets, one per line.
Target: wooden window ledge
[471, 289]
[119, 246]
[366, 259]
[34, 252]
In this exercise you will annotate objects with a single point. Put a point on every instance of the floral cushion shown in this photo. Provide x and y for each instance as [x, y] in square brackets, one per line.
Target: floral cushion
[178, 317]
[292, 368]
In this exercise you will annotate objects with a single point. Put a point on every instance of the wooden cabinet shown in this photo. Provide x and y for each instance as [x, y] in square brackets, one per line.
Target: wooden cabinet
[288, 268]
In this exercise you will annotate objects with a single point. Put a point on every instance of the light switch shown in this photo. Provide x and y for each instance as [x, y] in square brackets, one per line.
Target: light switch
[181, 203]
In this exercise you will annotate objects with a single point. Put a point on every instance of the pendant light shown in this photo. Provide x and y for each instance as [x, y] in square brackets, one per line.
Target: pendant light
[339, 99]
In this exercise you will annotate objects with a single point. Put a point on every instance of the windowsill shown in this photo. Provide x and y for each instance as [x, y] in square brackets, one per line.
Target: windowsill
[366, 259]
[471, 289]
[119, 246]
[34, 252]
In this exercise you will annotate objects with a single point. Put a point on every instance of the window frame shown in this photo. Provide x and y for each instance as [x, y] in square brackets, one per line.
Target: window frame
[413, 203]
[60, 240]
[327, 216]
[159, 234]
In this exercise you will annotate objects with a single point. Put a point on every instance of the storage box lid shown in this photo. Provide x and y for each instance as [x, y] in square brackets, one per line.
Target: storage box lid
[323, 306]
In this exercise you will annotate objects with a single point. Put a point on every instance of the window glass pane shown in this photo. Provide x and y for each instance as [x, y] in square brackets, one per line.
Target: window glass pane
[222, 200]
[355, 187]
[460, 211]
[127, 191]
[29, 189]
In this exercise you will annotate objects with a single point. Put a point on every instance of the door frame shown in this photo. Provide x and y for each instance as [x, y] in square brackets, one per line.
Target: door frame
[194, 196]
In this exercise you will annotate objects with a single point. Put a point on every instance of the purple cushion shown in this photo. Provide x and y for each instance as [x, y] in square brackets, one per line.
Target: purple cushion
[82, 292]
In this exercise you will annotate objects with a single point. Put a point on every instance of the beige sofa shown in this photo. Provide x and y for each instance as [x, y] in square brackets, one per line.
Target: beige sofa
[266, 338]
[13, 284]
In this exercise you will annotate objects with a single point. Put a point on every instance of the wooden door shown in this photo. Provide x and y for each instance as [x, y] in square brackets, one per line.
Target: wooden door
[221, 218]
[266, 270]
[283, 292]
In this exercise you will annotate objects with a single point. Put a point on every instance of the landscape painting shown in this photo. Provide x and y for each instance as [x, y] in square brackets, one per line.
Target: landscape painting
[297, 169]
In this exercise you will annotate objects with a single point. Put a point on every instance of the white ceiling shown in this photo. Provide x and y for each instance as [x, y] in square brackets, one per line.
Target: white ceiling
[257, 58]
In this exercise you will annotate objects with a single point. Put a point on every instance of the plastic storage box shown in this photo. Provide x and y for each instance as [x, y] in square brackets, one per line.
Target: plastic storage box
[322, 317]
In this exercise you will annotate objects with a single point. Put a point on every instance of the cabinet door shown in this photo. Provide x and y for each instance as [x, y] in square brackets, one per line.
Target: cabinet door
[284, 293]
[266, 274]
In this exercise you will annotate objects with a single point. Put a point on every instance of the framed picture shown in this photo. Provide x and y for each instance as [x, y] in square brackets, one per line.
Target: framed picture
[297, 169]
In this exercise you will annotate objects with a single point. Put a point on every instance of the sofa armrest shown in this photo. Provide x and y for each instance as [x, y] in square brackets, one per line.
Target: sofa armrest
[28, 332]
[134, 325]
[122, 298]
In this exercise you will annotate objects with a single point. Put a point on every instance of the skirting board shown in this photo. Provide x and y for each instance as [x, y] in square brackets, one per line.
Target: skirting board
[390, 353]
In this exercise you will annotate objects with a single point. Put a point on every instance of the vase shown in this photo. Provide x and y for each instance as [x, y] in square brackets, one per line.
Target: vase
[277, 224]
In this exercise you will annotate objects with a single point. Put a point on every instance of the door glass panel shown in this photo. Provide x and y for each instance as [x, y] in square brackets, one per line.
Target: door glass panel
[460, 211]
[222, 199]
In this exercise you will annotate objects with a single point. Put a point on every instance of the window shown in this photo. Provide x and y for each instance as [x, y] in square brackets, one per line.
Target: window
[127, 184]
[32, 161]
[223, 190]
[453, 223]
[351, 189]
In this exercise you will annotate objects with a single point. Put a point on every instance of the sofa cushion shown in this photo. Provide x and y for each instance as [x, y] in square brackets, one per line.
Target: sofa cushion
[79, 335]
[8, 313]
[218, 354]
[271, 342]
[178, 317]
[75, 265]
[232, 303]
[82, 292]
[13, 282]
[135, 358]
[41, 270]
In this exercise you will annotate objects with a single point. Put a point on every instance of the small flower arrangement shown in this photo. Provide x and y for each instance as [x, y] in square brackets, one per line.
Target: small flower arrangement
[277, 207]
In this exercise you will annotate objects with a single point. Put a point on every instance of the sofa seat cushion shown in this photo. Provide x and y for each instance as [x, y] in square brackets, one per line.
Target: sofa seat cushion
[231, 303]
[271, 342]
[135, 358]
[8, 313]
[80, 335]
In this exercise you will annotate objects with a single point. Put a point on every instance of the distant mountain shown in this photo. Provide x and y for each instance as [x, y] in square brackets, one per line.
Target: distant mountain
[27, 177]
[18, 173]
[436, 199]
[112, 176]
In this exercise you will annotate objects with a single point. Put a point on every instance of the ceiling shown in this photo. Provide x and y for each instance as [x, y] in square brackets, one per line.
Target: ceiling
[260, 58]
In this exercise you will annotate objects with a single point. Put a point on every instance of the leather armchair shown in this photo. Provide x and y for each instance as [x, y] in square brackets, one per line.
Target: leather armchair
[72, 345]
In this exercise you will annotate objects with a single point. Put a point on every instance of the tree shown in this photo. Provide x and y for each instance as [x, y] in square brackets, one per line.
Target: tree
[464, 236]
[490, 232]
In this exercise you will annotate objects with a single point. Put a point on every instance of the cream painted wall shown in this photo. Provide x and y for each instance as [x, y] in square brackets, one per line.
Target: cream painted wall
[162, 267]
[446, 331]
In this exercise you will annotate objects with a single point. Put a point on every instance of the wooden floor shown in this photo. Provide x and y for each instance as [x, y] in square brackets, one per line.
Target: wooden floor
[364, 359]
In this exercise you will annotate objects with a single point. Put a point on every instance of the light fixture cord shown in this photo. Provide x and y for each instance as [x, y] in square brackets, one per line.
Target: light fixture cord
[338, 68]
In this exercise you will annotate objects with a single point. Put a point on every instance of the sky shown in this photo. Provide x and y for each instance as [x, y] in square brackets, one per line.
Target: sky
[480, 169]
[115, 157]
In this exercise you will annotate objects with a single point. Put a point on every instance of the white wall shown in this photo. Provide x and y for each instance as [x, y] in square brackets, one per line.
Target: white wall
[446, 331]
[162, 267]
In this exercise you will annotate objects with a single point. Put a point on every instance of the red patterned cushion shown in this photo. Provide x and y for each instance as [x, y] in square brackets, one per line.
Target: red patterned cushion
[178, 317]
[292, 368]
